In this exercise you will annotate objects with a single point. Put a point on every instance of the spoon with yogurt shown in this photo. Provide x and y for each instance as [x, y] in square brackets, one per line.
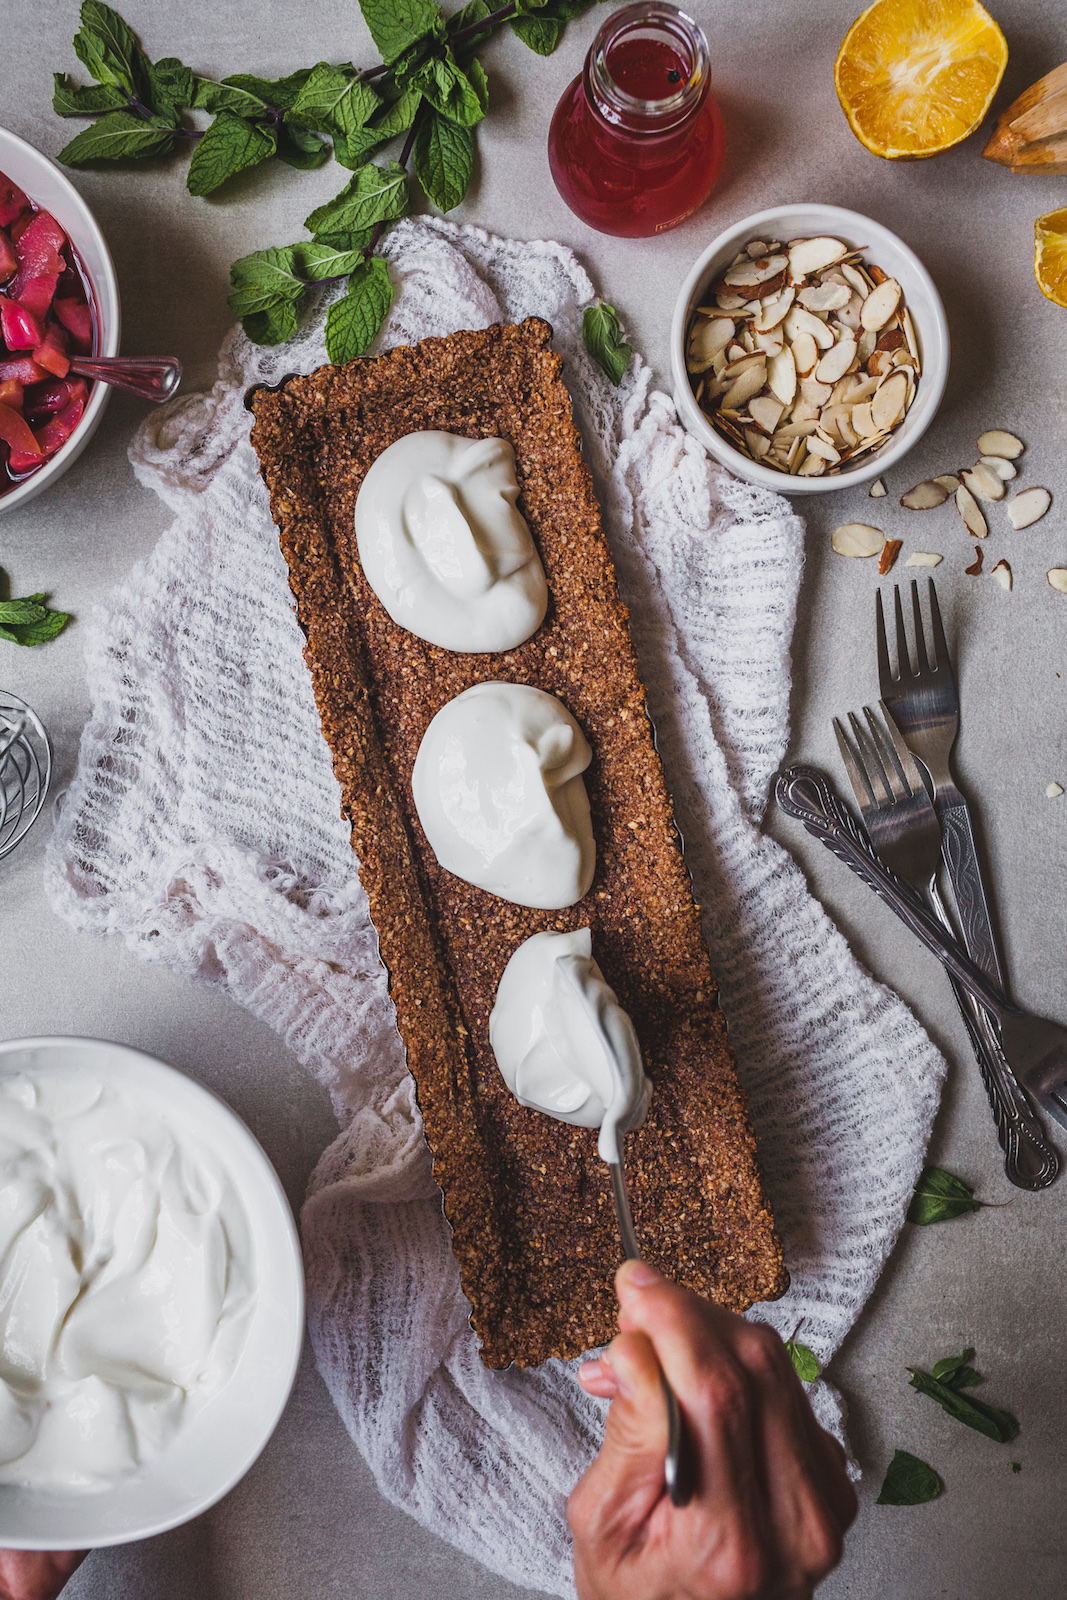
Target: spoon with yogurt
[566, 1047]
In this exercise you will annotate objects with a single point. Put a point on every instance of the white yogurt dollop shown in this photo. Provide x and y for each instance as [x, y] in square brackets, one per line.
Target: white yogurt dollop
[564, 1044]
[126, 1280]
[499, 792]
[444, 547]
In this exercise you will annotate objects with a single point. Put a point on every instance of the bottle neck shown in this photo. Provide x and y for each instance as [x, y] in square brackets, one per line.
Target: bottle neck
[648, 68]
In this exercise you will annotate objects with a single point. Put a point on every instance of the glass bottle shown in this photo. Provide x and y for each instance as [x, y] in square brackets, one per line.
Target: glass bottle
[636, 141]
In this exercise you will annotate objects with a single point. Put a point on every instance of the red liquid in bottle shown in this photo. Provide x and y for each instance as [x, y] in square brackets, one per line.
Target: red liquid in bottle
[636, 141]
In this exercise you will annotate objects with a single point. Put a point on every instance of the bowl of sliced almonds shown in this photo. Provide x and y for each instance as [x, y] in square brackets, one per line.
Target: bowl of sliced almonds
[809, 349]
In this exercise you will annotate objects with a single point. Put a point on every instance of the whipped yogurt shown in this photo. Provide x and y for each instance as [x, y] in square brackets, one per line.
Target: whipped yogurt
[563, 1043]
[127, 1279]
[443, 545]
[498, 788]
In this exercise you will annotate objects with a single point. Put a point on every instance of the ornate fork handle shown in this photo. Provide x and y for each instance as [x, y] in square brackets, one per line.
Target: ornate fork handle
[805, 793]
[965, 875]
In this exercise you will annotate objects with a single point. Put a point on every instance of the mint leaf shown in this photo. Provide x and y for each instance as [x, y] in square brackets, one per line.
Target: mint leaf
[374, 194]
[909, 1482]
[319, 259]
[352, 323]
[541, 34]
[333, 100]
[473, 12]
[940, 1197]
[277, 92]
[444, 159]
[171, 87]
[230, 145]
[109, 48]
[74, 100]
[954, 1371]
[30, 621]
[352, 150]
[215, 97]
[395, 25]
[301, 149]
[276, 324]
[117, 136]
[603, 340]
[264, 278]
[991, 1420]
[804, 1363]
[462, 96]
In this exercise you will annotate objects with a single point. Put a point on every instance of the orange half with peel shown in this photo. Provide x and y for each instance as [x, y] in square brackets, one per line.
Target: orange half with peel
[915, 77]
[1050, 255]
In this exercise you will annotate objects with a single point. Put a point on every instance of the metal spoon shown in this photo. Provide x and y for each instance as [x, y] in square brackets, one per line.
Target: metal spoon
[678, 1467]
[150, 377]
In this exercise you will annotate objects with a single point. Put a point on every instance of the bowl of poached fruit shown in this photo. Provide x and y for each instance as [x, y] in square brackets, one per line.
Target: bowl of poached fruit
[58, 301]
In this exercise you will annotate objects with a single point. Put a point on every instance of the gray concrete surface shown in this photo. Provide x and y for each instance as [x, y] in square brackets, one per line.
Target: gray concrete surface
[308, 1521]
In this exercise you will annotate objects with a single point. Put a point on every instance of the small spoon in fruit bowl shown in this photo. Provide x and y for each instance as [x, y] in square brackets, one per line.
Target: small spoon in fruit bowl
[149, 377]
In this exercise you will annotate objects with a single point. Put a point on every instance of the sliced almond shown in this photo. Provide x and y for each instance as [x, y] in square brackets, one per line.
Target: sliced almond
[1058, 579]
[1005, 470]
[909, 334]
[976, 566]
[867, 342]
[706, 339]
[877, 489]
[849, 314]
[1028, 507]
[819, 447]
[812, 255]
[983, 483]
[726, 301]
[800, 321]
[881, 304]
[813, 467]
[948, 481]
[880, 362]
[772, 310]
[743, 388]
[863, 422]
[1002, 573]
[766, 411]
[747, 274]
[1053, 791]
[805, 353]
[782, 376]
[825, 296]
[814, 392]
[758, 443]
[888, 404]
[853, 276]
[756, 248]
[743, 362]
[925, 496]
[890, 550]
[996, 442]
[770, 343]
[836, 362]
[923, 558]
[968, 508]
[857, 539]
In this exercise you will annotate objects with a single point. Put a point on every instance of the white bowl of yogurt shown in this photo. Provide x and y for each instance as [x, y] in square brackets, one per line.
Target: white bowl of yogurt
[151, 1296]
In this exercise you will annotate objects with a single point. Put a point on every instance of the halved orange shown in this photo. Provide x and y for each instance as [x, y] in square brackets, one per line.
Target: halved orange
[1050, 255]
[914, 77]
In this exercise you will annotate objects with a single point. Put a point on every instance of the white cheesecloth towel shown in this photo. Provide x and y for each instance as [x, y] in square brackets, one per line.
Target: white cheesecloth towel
[203, 825]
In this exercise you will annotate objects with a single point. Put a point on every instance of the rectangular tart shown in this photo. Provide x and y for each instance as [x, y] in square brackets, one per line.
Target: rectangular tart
[528, 1201]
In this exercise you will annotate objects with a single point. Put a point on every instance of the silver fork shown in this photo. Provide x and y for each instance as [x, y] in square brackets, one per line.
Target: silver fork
[905, 832]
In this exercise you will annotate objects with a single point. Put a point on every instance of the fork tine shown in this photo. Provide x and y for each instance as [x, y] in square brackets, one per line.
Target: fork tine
[908, 764]
[897, 786]
[885, 671]
[943, 660]
[870, 762]
[904, 668]
[923, 664]
[856, 775]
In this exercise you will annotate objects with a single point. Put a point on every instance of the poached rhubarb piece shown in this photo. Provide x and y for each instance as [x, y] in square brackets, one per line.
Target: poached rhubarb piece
[46, 315]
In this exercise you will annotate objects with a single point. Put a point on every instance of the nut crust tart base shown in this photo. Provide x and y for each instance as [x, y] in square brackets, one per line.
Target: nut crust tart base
[529, 1202]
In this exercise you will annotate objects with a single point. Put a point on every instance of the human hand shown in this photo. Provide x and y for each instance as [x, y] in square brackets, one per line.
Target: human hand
[772, 1500]
[36, 1574]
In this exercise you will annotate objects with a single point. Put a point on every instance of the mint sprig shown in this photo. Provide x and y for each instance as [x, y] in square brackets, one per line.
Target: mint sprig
[429, 89]
[30, 620]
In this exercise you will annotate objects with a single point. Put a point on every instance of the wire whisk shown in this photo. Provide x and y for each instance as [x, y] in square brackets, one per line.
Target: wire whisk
[25, 770]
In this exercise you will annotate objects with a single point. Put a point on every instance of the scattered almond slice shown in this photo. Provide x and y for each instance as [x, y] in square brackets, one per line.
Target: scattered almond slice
[877, 489]
[925, 496]
[859, 539]
[948, 481]
[1058, 579]
[968, 508]
[923, 558]
[1004, 469]
[881, 304]
[983, 483]
[812, 255]
[976, 567]
[1002, 573]
[996, 442]
[890, 550]
[1028, 507]
[1053, 791]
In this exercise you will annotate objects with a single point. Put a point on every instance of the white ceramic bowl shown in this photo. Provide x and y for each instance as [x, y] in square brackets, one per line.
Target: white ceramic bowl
[887, 252]
[219, 1443]
[49, 187]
